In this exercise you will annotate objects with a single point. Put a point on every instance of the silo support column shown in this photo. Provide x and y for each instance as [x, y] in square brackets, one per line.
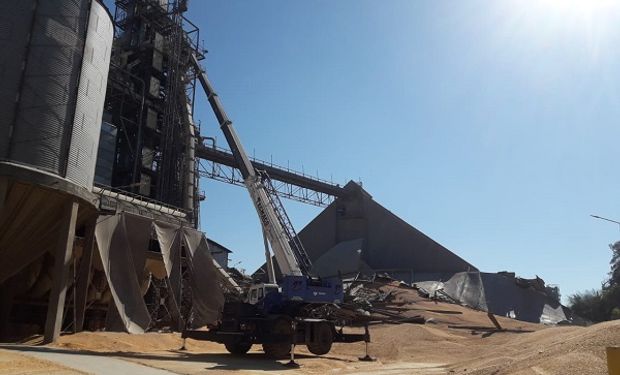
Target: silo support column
[83, 277]
[62, 263]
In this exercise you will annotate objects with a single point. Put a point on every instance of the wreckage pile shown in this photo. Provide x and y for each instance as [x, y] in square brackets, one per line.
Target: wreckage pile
[382, 299]
[378, 300]
[501, 294]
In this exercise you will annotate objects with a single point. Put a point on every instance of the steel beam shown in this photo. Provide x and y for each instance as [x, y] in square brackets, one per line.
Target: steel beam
[226, 158]
[62, 263]
[83, 277]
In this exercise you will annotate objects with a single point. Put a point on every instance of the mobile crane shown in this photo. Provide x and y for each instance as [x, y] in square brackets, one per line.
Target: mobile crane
[277, 316]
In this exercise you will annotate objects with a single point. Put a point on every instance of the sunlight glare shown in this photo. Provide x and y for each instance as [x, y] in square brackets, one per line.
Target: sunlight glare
[579, 6]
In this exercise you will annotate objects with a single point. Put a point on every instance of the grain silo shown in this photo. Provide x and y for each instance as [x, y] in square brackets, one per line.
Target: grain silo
[52, 92]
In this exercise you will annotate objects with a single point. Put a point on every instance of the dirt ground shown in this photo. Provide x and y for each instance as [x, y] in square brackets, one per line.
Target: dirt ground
[456, 340]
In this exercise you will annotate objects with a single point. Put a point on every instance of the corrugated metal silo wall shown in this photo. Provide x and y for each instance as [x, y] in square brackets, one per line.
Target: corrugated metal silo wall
[15, 22]
[49, 86]
[44, 126]
[91, 97]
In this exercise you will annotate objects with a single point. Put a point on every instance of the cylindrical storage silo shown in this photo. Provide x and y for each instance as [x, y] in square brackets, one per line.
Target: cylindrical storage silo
[53, 84]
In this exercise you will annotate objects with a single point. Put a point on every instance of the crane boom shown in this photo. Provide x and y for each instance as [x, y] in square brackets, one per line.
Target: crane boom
[288, 250]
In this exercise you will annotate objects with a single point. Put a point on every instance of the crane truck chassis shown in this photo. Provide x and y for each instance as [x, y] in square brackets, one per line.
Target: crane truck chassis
[278, 317]
[244, 326]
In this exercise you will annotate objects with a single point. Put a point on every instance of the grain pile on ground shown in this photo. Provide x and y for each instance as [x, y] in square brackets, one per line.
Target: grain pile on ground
[558, 350]
[483, 351]
[13, 363]
[455, 340]
[122, 342]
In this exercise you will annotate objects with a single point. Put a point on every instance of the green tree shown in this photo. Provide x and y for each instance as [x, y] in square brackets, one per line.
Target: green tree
[604, 304]
[614, 274]
[588, 305]
[611, 301]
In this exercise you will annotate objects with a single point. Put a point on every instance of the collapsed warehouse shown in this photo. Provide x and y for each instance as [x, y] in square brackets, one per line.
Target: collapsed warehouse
[100, 160]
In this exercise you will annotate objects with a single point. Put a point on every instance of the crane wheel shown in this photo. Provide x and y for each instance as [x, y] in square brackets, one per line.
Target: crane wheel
[279, 350]
[322, 339]
[238, 347]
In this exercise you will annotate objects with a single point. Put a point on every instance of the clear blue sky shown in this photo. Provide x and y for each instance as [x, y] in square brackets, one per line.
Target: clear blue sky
[492, 126]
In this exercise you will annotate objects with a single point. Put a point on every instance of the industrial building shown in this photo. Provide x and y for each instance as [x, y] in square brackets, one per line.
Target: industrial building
[220, 253]
[98, 185]
[100, 161]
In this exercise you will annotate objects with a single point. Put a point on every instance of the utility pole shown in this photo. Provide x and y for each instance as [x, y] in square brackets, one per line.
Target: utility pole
[603, 218]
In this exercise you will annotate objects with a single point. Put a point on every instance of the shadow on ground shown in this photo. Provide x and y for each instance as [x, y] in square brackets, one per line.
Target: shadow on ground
[488, 331]
[219, 361]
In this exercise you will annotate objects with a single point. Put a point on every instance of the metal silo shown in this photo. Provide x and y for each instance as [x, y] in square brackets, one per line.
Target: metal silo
[54, 61]
[53, 84]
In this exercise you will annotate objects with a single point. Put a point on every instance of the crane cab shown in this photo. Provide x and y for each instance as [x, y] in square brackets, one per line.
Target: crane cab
[257, 292]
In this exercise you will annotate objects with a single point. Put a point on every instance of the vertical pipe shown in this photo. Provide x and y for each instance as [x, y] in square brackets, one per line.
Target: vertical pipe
[190, 175]
[137, 177]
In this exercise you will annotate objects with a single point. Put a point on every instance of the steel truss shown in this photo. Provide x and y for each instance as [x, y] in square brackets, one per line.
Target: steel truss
[285, 183]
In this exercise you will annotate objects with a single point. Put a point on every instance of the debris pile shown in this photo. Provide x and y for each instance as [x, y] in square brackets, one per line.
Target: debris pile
[382, 299]
[376, 300]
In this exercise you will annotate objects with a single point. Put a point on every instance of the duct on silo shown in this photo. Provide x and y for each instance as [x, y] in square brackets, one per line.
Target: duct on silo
[190, 173]
[54, 84]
